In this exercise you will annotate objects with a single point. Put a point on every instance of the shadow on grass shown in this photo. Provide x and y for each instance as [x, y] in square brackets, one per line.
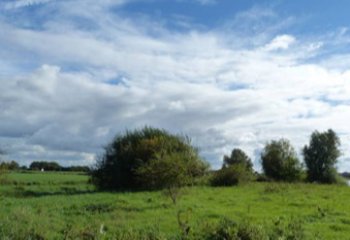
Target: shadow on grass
[31, 193]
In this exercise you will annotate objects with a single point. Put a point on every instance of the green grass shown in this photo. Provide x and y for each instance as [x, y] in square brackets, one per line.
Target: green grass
[54, 205]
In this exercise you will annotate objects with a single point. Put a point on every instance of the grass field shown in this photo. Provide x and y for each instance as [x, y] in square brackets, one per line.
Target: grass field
[64, 206]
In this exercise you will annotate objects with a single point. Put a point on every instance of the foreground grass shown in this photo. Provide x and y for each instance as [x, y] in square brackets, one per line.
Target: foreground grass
[65, 206]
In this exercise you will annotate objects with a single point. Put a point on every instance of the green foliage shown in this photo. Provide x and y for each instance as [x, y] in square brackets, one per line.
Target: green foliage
[228, 229]
[291, 229]
[47, 166]
[280, 162]
[321, 156]
[54, 166]
[3, 175]
[232, 175]
[238, 157]
[236, 169]
[12, 165]
[284, 211]
[143, 159]
[170, 171]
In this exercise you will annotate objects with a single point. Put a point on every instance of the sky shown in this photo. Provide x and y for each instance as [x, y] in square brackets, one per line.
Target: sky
[227, 73]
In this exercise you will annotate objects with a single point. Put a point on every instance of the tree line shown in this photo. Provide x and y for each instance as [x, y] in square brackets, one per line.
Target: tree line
[42, 165]
[280, 162]
[151, 158]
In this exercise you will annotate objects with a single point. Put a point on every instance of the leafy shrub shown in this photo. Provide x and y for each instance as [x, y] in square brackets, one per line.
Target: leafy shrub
[291, 229]
[225, 229]
[228, 229]
[232, 175]
[248, 231]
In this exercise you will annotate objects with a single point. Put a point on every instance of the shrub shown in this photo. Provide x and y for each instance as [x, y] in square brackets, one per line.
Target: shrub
[291, 229]
[149, 158]
[228, 229]
[232, 175]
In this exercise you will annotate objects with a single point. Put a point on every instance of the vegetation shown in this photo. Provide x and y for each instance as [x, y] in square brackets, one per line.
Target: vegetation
[232, 175]
[54, 166]
[279, 161]
[47, 166]
[171, 172]
[146, 159]
[12, 165]
[238, 157]
[52, 205]
[62, 205]
[321, 156]
[236, 169]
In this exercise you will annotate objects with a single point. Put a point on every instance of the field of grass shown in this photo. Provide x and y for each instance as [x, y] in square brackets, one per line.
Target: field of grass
[64, 206]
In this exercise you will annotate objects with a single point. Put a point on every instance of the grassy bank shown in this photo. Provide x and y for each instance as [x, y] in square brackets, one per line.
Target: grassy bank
[62, 205]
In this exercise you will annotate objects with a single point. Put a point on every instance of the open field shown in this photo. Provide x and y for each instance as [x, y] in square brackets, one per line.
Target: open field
[64, 206]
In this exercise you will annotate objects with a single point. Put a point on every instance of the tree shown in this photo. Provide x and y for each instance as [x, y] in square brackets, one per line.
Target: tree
[146, 159]
[47, 166]
[3, 170]
[280, 162]
[12, 165]
[321, 156]
[238, 157]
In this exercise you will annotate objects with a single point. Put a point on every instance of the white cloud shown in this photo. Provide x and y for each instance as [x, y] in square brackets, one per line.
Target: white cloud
[223, 95]
[280, 42]
[23, 3]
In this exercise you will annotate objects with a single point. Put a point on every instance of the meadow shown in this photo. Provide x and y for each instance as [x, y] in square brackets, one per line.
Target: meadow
[48, 205]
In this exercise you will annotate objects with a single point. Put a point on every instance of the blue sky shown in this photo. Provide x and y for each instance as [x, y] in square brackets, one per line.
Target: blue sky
[228, 73]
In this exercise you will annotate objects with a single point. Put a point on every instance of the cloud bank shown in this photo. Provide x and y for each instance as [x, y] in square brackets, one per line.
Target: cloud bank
[72, 80]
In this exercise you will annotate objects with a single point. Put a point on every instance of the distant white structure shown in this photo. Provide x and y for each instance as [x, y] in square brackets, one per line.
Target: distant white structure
[43, 170]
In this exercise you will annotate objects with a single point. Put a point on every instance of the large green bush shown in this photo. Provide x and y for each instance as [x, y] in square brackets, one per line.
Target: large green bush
[232, 175]
[148, 158]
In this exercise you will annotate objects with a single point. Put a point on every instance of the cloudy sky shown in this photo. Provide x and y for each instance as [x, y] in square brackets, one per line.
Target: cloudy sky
[229, 73]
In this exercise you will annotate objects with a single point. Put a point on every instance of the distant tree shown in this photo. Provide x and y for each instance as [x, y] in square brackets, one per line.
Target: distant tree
[47, 166]
[321, 156]
[75, 169]
[3, 170]
[280, 162]
[238, 157]
[12, 165]
[146, 159]
[346, 175]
